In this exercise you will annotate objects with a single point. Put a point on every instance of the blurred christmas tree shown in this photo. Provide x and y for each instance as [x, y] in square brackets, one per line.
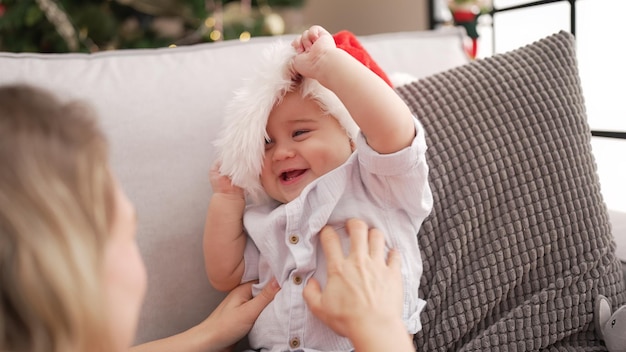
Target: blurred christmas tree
[94, 25]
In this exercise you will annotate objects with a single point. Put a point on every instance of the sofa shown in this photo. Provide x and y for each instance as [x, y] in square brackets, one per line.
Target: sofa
[519, 244]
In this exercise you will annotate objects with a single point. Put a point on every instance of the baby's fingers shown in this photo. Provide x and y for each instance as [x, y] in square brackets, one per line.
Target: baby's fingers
[297, 44]
[307, 39]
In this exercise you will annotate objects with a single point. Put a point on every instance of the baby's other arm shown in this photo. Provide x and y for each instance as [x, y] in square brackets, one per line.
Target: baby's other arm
[384, 118]
[224, 236]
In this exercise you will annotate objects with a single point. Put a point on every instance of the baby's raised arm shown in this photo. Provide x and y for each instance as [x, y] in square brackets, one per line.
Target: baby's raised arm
[224, 236]
[381, 114]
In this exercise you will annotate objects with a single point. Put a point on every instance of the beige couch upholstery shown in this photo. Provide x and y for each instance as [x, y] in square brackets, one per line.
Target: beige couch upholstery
[161, 109]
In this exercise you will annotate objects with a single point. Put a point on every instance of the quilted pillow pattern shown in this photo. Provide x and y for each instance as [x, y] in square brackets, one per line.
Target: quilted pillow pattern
[519, 244]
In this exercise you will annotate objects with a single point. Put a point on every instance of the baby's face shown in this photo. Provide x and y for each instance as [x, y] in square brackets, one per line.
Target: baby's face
[304, 145]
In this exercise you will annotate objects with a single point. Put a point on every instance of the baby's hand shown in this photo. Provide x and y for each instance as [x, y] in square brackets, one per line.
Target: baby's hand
[310, 48]
[221, 183]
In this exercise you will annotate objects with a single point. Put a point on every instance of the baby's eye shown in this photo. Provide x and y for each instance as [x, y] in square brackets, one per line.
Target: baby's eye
[268, 140]
[268, 143]
[299, 133]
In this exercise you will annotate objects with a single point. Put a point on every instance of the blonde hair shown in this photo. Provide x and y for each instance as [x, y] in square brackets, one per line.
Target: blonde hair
[56, 209]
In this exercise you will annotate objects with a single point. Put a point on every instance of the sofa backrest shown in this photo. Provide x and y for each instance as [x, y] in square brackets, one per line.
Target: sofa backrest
[161, 109]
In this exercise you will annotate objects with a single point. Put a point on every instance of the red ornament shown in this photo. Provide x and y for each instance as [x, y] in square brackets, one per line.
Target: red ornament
[464, 15]
[3, 9]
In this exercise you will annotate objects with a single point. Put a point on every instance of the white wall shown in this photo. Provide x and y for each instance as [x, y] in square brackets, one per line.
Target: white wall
[366, 16]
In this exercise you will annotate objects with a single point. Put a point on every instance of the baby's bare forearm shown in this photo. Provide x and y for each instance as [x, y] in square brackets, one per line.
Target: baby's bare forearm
[224, 241]
[383, 117]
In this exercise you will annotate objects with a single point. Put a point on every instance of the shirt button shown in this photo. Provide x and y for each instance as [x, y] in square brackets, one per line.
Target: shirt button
[294, 343]
[294, 239]
[297, 279]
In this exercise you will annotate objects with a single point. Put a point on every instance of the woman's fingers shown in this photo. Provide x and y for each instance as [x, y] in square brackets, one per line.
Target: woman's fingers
[331, 246]
[359, 242]
[377, 245]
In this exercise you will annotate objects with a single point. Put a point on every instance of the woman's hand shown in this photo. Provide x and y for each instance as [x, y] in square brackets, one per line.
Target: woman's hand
[363, 296]
[226, 325]
[236, 314]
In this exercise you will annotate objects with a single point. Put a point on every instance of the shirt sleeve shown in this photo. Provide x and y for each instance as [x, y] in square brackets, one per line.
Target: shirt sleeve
[398, 179]
[393, 163]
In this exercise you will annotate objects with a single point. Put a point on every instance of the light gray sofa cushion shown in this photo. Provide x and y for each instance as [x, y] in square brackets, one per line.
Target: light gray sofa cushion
[518, 245]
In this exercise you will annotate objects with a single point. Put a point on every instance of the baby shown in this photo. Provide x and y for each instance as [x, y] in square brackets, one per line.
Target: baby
[313, 138]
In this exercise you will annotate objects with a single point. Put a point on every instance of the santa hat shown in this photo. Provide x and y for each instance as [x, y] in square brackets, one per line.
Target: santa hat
[241, 144]
[347, 41]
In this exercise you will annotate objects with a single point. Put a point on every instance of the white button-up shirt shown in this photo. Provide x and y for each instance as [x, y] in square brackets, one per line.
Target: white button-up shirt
[389, 192]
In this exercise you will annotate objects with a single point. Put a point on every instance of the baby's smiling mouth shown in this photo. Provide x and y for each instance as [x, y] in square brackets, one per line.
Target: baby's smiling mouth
[292, 174]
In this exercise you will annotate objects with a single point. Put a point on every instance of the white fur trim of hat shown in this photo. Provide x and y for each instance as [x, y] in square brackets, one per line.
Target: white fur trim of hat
[241, 143]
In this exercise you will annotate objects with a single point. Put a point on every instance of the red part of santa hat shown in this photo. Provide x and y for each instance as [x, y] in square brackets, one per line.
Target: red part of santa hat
[347, 41]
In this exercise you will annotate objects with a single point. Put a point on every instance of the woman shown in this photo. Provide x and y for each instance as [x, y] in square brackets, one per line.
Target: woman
[72, 276]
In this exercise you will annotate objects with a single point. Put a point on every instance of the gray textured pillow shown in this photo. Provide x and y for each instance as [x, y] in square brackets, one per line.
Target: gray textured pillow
[518, 245]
